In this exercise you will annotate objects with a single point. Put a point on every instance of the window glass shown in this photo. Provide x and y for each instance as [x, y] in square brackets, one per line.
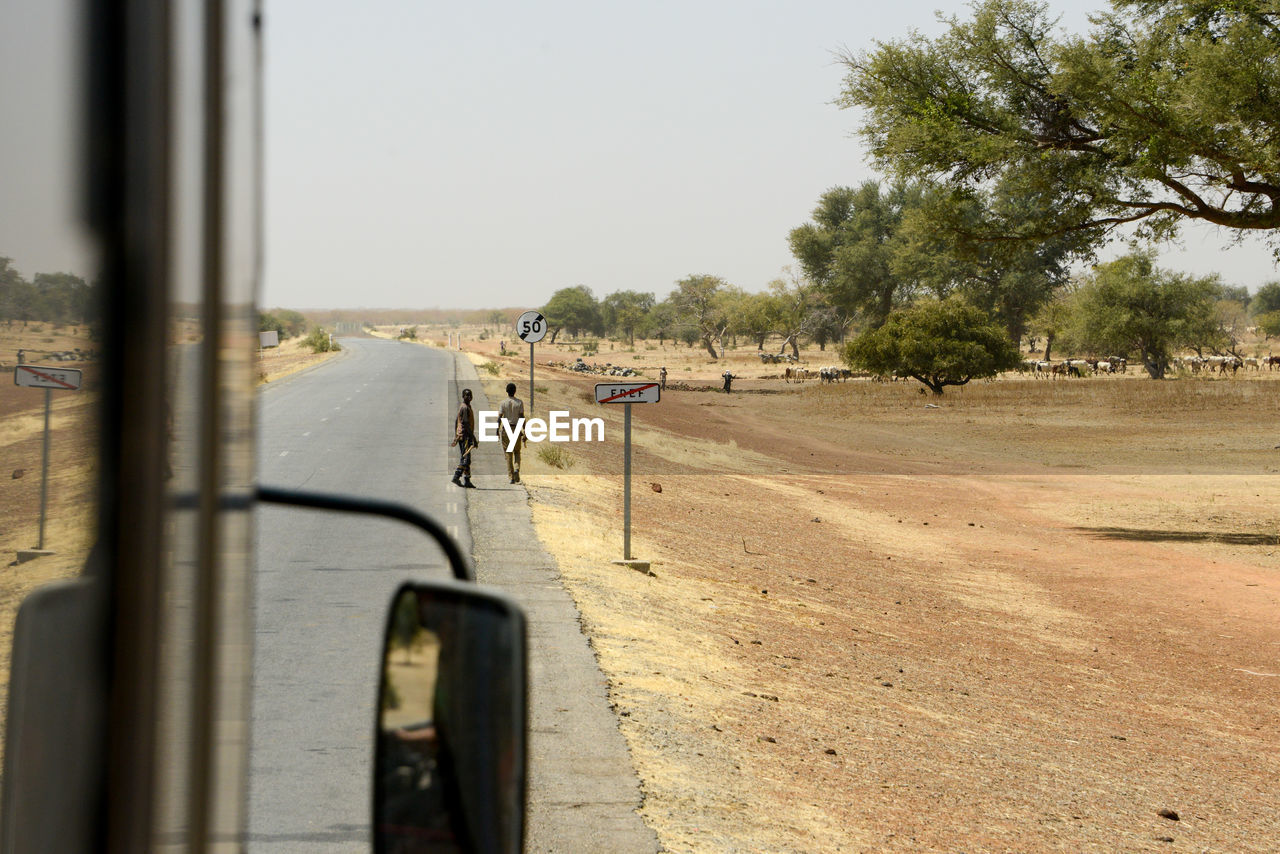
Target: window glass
[49, 327]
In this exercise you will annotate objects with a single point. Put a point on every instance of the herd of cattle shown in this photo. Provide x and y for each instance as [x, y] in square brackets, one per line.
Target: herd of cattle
[1117, 365]
[1045, 369]
[76, 355]
[829, 374]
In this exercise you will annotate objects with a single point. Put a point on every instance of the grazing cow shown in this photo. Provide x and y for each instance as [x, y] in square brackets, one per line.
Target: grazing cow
[1077, 367]
[831, 373]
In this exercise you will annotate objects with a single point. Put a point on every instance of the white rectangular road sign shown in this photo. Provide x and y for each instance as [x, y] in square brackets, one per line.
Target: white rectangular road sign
[35, 376]
[627, 392]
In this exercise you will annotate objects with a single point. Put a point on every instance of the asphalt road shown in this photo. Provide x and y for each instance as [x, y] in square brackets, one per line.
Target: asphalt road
[369, 423]
[375, 423]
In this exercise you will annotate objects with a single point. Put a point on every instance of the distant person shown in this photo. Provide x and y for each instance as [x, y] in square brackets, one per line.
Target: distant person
[662, 377]
[510, 412]
[728, 381]
[464, 436]
[22, 357]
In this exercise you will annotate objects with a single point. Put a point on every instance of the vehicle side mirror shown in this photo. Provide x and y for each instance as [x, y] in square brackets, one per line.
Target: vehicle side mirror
[449, 763]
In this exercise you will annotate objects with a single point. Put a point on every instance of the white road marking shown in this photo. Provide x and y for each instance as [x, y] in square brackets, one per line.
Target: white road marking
[306, 434]
[451, 507]
[453, 531]
[284, 453]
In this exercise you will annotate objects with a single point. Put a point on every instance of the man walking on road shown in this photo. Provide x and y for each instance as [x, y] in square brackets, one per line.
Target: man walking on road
[464, 436]
[511, 412]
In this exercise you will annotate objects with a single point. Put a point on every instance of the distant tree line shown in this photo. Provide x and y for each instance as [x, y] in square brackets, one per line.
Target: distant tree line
[285, 322]
[62, 298]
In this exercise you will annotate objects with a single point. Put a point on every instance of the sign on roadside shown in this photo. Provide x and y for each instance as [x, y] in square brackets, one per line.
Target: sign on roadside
[38, 376]
[531, 327]
[627, 392]
[35, 376]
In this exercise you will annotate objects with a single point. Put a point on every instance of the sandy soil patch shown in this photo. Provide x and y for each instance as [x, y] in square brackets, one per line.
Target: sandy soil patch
[1027, 620]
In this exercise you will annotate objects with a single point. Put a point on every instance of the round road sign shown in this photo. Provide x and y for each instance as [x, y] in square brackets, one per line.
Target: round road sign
[531, 327]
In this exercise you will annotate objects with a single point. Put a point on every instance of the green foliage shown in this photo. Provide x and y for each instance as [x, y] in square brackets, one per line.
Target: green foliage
[660, 321]
[270, 323]
[1163, 112]
[287, 323]
[871, 249]
[1269, 324]
[492, 367]
[1130, 306]
[294, 323]
[318, 341]
[703, 304]
[624, 313]
[574, 310]
[59, 298]
[590, 348]
[1266, 300]
[1238, 294]
[848, 248]
[1052, 321]
[938, 342]
[409, 333]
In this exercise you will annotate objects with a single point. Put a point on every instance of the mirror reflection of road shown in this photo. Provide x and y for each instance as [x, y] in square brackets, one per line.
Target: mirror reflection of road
[374, 422]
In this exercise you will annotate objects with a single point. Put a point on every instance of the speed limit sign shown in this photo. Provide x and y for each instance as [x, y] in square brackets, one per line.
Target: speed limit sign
[531, 327]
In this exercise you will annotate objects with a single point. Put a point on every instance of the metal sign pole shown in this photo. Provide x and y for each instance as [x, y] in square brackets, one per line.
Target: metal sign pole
[531, 327]
[44, 466]
[626, 485]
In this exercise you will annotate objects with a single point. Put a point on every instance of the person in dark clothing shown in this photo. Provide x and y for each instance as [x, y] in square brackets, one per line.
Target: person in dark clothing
[464, 436]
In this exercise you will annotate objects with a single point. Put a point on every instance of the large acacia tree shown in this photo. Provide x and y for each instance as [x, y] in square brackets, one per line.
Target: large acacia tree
[1130, 306]
[873, 248]
[703, 302]
[848, 248]
[1165, 111]
[938, 342]
[574, 309]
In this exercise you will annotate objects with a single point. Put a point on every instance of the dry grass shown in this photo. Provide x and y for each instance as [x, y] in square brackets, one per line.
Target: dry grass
[1010, 622]
[290, 357]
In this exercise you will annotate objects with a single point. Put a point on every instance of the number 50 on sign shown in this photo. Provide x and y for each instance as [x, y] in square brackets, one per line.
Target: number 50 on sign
[531, 327]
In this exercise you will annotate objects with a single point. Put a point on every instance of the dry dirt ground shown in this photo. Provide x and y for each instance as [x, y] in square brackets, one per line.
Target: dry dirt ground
[1025, 616]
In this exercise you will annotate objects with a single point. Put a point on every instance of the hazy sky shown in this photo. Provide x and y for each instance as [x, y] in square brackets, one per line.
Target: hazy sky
[484, 154]
[487, 153]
